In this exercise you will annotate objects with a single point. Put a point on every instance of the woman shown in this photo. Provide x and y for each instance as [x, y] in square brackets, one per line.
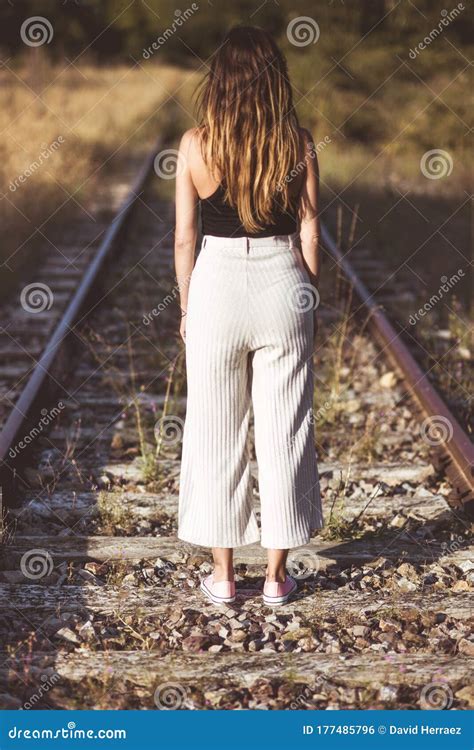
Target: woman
[246, 320]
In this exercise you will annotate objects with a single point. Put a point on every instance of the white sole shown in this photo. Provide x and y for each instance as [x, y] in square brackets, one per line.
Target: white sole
[216, 599]
[277, 601]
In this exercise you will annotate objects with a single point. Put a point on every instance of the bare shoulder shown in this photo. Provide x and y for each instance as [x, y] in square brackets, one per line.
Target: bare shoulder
[191, 142]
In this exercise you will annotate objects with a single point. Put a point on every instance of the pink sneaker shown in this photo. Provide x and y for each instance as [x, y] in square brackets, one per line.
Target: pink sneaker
[275, 594]
[220, 592]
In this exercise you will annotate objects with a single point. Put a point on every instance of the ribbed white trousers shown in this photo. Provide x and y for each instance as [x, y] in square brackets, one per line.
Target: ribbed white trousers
[249, 341]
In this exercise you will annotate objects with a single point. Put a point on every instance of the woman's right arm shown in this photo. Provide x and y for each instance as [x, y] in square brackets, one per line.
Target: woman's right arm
[309, 219]
[309, 211]
[186, 227]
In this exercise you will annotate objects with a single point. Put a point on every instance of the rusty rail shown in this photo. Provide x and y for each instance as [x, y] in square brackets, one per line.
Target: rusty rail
[459, 449]
[75, 312]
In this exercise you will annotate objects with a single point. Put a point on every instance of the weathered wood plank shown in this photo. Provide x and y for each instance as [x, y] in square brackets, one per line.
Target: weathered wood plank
[390, 474]
[101, 548]
[36, 600]
[149, 669]
[70, 505]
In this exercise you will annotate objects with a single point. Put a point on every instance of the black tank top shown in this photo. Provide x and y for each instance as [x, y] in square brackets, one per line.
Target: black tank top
[221, 220]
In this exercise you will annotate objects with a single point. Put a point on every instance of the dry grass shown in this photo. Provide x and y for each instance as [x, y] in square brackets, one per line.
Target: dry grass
[113, 514]
[98, 118]
[107, 114]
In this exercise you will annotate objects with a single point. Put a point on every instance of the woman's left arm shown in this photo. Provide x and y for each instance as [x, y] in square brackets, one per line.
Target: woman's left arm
[186, 227]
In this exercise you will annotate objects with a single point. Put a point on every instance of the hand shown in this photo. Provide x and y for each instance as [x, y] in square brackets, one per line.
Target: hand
[182, 328]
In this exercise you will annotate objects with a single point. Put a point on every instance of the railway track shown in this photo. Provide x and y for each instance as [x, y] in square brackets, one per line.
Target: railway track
[457, 452]
[98, 599]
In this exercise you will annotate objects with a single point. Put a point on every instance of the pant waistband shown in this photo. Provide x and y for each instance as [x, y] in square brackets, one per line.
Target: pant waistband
[282, 241]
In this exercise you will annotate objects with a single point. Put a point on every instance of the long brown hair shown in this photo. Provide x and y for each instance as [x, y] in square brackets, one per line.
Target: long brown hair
[250, 131]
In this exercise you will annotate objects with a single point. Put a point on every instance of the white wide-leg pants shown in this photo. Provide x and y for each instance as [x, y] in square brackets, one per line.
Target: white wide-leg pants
[249, 341]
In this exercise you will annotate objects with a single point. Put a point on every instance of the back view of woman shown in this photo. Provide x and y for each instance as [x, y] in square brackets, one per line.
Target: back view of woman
[246, 323]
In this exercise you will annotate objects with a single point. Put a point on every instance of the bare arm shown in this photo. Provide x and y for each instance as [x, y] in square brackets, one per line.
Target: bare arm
[186, 224]
[309, 212]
